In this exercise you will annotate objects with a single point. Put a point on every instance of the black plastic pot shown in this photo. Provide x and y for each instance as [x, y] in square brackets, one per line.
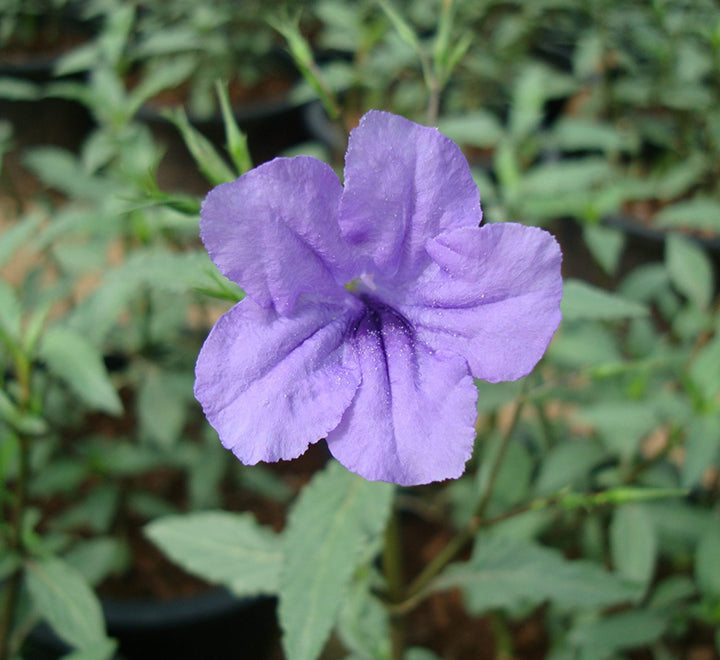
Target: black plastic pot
[642, 231]
[214, 624]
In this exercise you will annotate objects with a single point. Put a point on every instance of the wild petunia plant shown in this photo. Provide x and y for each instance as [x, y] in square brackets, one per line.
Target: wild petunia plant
[382, 369]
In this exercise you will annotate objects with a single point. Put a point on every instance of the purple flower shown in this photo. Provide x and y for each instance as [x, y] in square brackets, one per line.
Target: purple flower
[383, 369]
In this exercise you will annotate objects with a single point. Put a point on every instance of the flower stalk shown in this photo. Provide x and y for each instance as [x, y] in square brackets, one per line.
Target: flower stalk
[12, 592]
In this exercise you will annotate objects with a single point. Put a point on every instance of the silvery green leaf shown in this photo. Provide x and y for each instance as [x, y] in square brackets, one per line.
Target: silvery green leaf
[555, 177]
[17, 89]
[96, 558]
[162, 405]
[73, 359]
[690, 269]
[702, 213]
[615, 632]
[703, 369]
[606, 246]
[224, 548]
[336, 518]
[702, 444]
[633, 543]
[10, 312]
[576, 134]
[707, 566]
[587, 302]
[506, 573]
[567, 464]
[584, 344]
[474, 129]
[621, 424]
[64, 599]
[17, 235]
[102, 650]
[363, 625]
[210, 162]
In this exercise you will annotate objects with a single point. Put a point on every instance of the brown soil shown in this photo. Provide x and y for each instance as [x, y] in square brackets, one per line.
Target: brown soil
[267, 92]
[45, 45]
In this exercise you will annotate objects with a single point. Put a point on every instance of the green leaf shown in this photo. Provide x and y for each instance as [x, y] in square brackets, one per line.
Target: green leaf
[587, 302]
[64, 599]
[576, 134]
[621, 423]
[103, 650]
[505, 573]
[403, 28]
[704, 371]
[634, 544]
[336, 518]
[10, 312]
[96, 511]
[674, 183]
[211, 164]
[162, 405]
[580, 345]
[17, 235]
[606, 246]
[702, 445]
[224, 548]
[690, 269]
[61, 170]
[701, 213]
[237, 144]
[567, 464]
[707, 566]
[171, 73]
[17, 89]
[619, 631]
[97, 558]
[474, 129]
[554, 178]
[175, 272]
[528, 99]
[26, 423]
[363, 625]
[73, 359]
[492, 396]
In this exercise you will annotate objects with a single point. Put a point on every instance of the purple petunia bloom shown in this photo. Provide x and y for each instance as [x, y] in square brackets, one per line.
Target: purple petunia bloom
[383, 369]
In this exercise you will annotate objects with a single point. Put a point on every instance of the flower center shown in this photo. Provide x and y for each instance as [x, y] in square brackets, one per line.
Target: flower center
[362, 284]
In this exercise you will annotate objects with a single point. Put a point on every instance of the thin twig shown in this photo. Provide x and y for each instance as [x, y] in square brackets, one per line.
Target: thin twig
[455, 546]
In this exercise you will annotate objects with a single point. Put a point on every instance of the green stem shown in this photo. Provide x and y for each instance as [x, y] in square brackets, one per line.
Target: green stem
[9, 605]
[455, 546]
[433, 108]
[392, 566]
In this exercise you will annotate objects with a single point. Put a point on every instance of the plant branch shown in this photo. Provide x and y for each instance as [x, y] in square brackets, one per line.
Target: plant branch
[392, 566]
[9, 605]
[455, 546]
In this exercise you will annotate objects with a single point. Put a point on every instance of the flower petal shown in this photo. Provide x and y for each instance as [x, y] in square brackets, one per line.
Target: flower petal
[404, 183]
[272, 385]
[274, 231]
[492, 295]
[411, 421]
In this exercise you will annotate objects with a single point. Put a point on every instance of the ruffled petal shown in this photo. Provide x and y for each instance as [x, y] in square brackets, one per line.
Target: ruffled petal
[272, 385]
[411, 421]
[492, 294]
[274, 231]
[404, 183]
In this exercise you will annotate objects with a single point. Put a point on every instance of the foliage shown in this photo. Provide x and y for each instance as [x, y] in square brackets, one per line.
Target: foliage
[591, 502]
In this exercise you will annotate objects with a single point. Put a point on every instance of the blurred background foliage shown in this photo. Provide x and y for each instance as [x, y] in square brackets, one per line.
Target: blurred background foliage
[597, 119]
